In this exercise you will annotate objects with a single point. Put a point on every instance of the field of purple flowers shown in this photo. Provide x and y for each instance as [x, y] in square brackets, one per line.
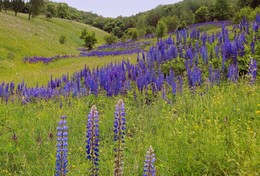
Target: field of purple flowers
[188, 105]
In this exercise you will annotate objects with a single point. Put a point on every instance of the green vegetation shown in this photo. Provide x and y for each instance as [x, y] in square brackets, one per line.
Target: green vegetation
[214, 131]
[40, 36]
[110, 39]
[202, 15]
[161, 29]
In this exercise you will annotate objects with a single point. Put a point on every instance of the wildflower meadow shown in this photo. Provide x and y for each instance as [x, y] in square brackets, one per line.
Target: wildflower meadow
[187, 104]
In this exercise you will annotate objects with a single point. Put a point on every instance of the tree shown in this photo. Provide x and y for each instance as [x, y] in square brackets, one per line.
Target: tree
[35, 7]
[202, 14]
[110, 39]
[243, 3]
[6, 5]
[172, 22]
[83, 33]
[90, 40]
[255, 3]
[153, 17]
[222, 10]
[51, 8]
[161, 29]
[132, 33]
[17, 6]
[1, 5]
[63, 10]
[117, 32]
[244, 12]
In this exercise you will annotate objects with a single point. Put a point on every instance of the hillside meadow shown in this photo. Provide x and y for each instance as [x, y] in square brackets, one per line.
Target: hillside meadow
[200, 116]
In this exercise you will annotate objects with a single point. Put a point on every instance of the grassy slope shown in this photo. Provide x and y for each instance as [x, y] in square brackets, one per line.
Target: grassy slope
[40, 36]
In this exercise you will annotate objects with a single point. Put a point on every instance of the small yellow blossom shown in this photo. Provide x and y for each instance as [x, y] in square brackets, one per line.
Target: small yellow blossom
[257, 112]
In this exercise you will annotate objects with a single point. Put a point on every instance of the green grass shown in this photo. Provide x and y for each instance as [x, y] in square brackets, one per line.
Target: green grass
[18, 71]
[212, 132]
[40, 36]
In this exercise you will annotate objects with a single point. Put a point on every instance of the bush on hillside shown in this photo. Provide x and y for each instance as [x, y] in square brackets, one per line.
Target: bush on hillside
[48, 15]
[62, 39]
[90, 40]
[161, 29]
[110, 39]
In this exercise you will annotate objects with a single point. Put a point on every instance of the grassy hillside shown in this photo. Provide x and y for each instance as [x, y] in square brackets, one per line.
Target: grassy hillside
[40, 36]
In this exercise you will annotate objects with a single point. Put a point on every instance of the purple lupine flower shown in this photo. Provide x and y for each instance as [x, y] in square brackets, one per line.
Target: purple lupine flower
[62, 150]
[180, 84]
[232, 72]
[149, 168]
[92, 139]
[253, 69]
[252, 46]
[119, 137]
[257, 19]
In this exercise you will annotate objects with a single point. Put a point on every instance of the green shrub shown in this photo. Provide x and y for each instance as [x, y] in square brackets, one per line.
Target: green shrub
[244, 12]
[48, 15]
[110, 39]
[62, 39]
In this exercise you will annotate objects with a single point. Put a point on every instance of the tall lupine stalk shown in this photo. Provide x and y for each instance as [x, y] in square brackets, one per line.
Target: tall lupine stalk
[149, 168]
[93, 140]
[62, 151]
[119, 137]
[252, 70]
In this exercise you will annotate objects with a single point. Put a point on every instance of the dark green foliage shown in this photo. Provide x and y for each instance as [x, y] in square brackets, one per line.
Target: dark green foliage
[255, 3]
[171, 22]
[110, 39]
[35, 7]
[48, 15]
[202, 14]
[1, 5]
[62, 39]
[251, 3]
[6, 5]
[222, 10]
[153, 17]
[161, 29]
[182, 26]
[17, 6]
[89, 38]
[149, 30]
[243, 3]
[117, 32]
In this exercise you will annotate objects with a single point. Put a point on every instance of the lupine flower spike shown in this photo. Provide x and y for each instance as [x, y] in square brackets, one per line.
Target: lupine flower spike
[119, 137]
[93, 140]
[62, 150]
[149, 168]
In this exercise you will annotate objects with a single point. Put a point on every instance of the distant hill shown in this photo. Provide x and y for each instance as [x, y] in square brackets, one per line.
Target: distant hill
[40, 36]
